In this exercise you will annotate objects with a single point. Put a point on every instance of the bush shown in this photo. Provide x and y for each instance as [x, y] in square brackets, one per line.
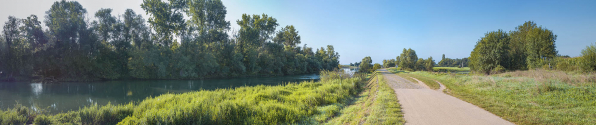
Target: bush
[589, 58]
[42, 120]
[108, 114]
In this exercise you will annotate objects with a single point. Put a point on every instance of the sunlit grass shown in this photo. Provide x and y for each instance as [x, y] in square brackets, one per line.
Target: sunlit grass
[376, 105]
[528, 97]
[432, 84]
[292, 103]
[452, 69]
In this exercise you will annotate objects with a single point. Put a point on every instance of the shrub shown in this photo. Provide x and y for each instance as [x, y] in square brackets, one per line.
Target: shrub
[42, 120]
[589, 58]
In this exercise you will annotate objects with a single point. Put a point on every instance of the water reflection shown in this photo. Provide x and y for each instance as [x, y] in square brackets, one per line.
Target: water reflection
[70, 96]
[36, 88]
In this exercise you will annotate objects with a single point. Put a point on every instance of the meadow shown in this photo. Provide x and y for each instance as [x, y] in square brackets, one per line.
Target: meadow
[527, 97]
[292, 103]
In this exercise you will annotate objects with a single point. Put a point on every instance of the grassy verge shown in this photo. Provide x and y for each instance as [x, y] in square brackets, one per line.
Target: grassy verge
[293, 103]
[528, 97]
[463, 70]
[432, 84]
[377, 104]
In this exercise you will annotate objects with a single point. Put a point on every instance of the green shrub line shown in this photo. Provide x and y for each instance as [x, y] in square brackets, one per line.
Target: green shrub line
[527, 97]
[451, 69]
[293, 103]
[376, 105]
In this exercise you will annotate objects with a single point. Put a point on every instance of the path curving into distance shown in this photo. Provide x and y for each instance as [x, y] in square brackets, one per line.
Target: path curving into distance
[423, 106]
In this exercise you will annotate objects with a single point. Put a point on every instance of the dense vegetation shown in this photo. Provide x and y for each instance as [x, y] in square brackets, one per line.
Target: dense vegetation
[365, 65]
[527, 97]
[184, 39]
[408, 60]
[389, 63]
[293, 103]
[448, 62]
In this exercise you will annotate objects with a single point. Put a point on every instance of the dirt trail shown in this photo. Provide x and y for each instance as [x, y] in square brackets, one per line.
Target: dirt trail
[423, 106]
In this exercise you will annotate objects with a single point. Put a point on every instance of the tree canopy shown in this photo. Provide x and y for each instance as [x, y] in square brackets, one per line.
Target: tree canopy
[166, 46]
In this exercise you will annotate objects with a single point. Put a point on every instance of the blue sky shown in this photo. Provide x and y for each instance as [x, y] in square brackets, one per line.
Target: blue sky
[381, 29]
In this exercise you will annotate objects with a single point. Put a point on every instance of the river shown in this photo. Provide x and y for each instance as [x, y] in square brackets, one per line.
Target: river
[63, 97]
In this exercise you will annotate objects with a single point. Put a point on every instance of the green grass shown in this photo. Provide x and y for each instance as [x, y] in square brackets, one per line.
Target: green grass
[463, 70]
[528, 97]
[293, 103]
[377, 104]
[431, 83]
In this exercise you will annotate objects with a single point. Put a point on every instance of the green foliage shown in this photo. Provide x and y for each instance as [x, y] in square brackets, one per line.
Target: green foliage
[452, 69]
[376, 66]
[528, 47]
[490, 52]
[448, 62]
[366, 65]
[377, 104]
[17, 115]
[407, 60]
[528, 97]
[42, 120]
[589, 58]
[389, 63]
[109, 114]
[293, 103]
[429, 64]
[170, 47]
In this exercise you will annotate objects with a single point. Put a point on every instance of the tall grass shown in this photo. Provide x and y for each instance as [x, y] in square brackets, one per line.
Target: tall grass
[528, 97]
[377, 104]
[292, 103]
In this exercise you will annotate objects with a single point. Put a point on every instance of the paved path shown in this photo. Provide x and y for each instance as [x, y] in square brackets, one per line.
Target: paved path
[423, 106]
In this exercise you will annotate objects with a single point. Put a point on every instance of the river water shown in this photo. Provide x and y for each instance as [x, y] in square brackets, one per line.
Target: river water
[63, 97]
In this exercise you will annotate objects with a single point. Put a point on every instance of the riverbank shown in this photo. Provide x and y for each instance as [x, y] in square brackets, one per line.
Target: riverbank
[527, 97]
[293, 103]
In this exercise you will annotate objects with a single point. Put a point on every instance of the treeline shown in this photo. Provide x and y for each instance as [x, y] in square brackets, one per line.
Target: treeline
[448, 62]
[528, 47]
[170, 47]
[408, 60]
[366, 66]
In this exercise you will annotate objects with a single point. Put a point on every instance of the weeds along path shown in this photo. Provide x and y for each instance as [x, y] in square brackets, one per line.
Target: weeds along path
[423, 106]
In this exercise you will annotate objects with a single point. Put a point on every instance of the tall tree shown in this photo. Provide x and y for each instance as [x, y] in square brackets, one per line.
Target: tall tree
[490, 52]
[366, 65]
[166, 18]
[287, 36]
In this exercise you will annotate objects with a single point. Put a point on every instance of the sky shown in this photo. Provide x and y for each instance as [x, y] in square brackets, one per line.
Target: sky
[382, 28]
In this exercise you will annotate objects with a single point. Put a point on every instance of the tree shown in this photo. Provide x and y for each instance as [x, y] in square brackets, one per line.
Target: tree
[408, 59]
[375, 67]
[429, 64]
[540, 46]
[589, 58]
[366, 65]
[287, 36]
[166, 18]
[490, 52]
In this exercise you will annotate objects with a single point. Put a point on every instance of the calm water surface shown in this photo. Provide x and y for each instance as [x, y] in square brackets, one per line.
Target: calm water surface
[56, 98]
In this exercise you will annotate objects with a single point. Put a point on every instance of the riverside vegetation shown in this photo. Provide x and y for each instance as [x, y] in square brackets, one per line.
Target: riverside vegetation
[182, 39]
[293, 103]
